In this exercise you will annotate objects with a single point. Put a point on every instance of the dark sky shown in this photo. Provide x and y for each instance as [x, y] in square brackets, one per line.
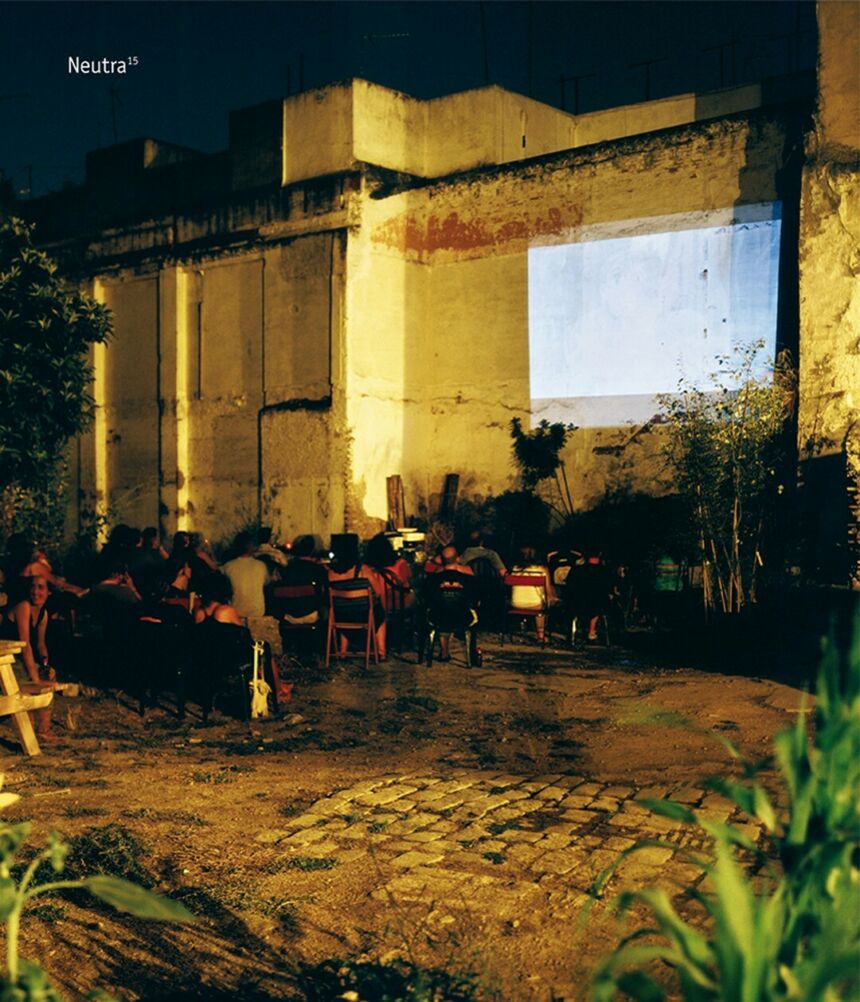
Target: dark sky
[199, 60]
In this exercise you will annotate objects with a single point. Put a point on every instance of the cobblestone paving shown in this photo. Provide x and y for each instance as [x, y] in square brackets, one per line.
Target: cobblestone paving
[452, 834]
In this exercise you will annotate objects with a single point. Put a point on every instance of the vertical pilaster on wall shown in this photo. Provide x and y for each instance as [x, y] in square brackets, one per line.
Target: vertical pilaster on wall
[186, 298]
[100, 465]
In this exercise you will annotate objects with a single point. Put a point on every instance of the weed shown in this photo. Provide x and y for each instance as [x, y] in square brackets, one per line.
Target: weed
[494, 857]
[178, 817]
[375, 827]
[111, 849]
[308, 864]
[20, 884]
[213, 777]
[80, 811]
[393, 979]
[497, 827]
[798, 937]
[48, 913]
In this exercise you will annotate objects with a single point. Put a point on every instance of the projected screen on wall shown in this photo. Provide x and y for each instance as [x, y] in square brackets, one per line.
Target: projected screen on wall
[623, 311]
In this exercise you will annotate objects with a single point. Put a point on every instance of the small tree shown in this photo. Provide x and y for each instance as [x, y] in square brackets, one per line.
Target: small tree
[46, 329]
[537, 454]
[727, 449]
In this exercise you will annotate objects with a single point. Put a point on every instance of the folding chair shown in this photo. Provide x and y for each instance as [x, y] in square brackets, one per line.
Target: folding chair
[526, 579]
[398, 613]
[351, 609]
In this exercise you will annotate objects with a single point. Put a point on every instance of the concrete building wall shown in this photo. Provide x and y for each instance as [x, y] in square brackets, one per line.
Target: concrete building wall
[829, 288]
[466, 367]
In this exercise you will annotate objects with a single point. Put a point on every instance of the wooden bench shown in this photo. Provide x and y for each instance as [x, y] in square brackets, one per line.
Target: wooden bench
[17, 701]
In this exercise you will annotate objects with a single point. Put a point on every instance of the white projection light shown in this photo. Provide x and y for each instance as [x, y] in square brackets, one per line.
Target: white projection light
[622, 312]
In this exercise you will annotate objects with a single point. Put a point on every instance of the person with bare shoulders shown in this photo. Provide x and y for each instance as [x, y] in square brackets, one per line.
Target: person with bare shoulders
[27, 621]
[215, 602]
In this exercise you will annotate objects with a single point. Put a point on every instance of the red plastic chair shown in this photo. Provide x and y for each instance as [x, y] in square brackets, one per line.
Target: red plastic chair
[525, 579]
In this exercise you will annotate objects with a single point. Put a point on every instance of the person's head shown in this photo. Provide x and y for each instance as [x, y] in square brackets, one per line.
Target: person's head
[133, 538]
[149, 538]
[449, 556]
[20, 549]
[38, 591]
[217, 589]
[528, 554]
[244, 544]
[344, 549]
[181, 542]
[476, 538]
[120, 535]
[264, 535]
[380, 553]
[304, 547]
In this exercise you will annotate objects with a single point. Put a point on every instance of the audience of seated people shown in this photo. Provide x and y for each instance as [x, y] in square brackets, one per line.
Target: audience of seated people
[138, 582]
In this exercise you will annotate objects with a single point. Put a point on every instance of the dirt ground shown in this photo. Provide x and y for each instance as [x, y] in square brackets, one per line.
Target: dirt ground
[361, 822]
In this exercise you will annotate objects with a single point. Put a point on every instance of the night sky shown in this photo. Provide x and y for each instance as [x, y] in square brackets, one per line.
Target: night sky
[197, 61]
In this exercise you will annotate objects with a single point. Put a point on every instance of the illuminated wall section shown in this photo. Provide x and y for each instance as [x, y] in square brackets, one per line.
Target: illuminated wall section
[618, 316]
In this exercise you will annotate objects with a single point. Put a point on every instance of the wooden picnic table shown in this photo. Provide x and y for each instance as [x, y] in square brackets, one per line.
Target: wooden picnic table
[16, 701]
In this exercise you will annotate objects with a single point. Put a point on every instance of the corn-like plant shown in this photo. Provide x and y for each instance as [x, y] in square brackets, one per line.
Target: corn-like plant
[24, 981]
[798, 937]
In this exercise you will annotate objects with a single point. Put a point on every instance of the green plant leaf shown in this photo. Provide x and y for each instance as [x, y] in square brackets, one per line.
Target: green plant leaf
[128, 897]
[8, 893]
[669, 809]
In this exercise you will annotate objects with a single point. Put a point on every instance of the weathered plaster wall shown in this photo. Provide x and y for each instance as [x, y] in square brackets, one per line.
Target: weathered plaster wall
[234, 353]
[465, 373]
[830, 242]
[829, 251]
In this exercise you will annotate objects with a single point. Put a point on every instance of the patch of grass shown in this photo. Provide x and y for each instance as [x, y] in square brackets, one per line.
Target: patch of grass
[97, 784]
[213, 777]
[375, 827]
[80, 811]
[497, 789]
[242, 768]
[112, 850]
[387, 980]
[308, 864]
[494, 857]
[497, 827]
[178, 817]
[54, 781]
[48, 913]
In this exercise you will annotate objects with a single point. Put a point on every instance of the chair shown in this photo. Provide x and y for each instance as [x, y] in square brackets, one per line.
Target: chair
[284, 599]
[162, 653]
[221, 650]
[351, 609]
[398, 613]
[491, 593]
[526, 579]
[450, 612]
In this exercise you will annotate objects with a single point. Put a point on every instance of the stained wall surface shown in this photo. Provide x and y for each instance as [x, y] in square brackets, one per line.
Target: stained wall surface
[280, 354]
[440, 363]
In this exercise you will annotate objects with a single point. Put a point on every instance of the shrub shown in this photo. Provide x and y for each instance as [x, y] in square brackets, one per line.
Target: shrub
[799, 938]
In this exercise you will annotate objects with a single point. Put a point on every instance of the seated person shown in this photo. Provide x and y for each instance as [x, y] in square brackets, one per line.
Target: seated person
[303, 571]
[346, 566]
[248, 576]
[476, 550]
[215, 602]
[394, 570]
[589, 591]
[533, 596]
[272, 556]
[27, 621]
[452, 600]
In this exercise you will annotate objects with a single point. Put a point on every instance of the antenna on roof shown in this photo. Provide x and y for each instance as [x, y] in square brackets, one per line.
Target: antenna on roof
[575, 78]
[647, 64]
